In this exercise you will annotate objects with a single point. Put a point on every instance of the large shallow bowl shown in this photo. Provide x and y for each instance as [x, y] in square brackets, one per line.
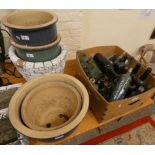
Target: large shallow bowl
[31, 27]
[38, 53]
[21, 93]
[50, 105]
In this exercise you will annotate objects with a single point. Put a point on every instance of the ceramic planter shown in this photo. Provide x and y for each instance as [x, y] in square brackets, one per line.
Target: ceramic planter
[69, 102]
[30, 70]
[38, 53]
[49, 115]
[31, 27]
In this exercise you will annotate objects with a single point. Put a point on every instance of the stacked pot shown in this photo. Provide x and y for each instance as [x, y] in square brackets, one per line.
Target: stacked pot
[36, 47]
[49, 107]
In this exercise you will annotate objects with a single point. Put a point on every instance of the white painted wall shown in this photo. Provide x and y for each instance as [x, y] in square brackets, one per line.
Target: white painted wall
[128, 29]
[80, 29]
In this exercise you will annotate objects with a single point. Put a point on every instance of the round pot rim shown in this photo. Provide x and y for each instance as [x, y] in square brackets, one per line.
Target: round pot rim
[20, 63]
[41, 86]
[13, 26]
[25, 47]
[53, 133]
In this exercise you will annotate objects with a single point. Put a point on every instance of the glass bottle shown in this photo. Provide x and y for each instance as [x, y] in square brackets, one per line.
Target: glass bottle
[105, 65]
[121, 87]
[140, 85]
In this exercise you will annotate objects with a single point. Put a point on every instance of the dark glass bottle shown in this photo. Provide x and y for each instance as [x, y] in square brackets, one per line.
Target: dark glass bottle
[144, 76]
[141, 80]
[135, 73]
[113, 58]
[1, 82]
[104, 88]
[139, 90]
[101, 88]
[121, 87]
[109, 89]
[121, 64]
[93, 70]
[135, 70]
[105, 65]
[90, 67]
[121, 68]
[139, 84]
[121, 58]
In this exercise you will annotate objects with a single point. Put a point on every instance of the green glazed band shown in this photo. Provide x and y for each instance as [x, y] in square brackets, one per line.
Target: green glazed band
[40, 55]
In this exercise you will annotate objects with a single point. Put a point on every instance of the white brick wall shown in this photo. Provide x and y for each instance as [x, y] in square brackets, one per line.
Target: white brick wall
[69, 26]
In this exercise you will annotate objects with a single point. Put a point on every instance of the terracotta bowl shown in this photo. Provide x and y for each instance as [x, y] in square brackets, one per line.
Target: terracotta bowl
[62, 90]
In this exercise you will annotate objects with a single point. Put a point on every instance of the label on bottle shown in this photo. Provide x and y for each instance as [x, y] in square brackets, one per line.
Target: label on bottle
[121, 88]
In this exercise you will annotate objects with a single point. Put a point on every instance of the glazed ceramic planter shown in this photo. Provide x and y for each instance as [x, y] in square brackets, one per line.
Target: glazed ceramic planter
[38, 53]
[30, 70]
[31, 27]
[65, 99]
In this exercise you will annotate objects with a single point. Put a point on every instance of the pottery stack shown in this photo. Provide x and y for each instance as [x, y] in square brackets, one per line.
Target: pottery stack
[49, 107]
[35, 44]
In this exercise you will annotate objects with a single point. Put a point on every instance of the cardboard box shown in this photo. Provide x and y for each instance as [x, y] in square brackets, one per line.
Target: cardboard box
[101, 108]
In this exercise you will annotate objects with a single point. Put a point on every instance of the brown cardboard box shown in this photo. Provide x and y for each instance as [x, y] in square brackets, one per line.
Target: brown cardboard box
[101, 108]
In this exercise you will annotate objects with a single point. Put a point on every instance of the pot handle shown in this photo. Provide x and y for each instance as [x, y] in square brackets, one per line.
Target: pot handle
[6, 32]
[143, 51]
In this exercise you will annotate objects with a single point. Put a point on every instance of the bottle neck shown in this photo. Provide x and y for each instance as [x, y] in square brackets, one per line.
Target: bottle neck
[136, 69]
[130, 70]
[104, 65]
[122, 57]
[145, 74]
[1, 82]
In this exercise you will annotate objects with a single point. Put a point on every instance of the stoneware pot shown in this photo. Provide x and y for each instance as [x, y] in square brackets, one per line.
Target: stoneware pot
[31, 27]
[42, 111]
[38, 53]
[30, 70]
[68, 103]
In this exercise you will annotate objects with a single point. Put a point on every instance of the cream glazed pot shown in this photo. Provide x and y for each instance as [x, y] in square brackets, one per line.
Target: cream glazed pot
[65, 91]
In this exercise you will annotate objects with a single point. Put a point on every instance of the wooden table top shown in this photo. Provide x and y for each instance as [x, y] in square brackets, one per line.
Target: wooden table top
[88, 123]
